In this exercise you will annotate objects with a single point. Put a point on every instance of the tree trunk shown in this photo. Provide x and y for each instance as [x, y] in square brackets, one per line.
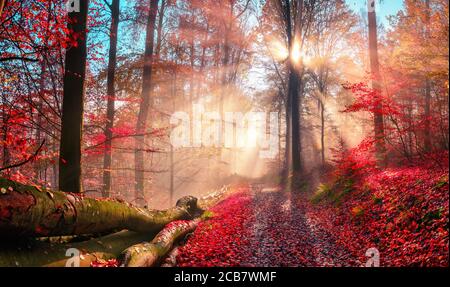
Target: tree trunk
[171, 155]
[159, 28]
[111, 94]
[376, 84]
[30, 211]
[37, 164]
[427, 134]
[148, 254]
[53, 252]
[293, 32]
[72, 108]
[294, 89]
[38, 253]
[322, 130]
[145, 104]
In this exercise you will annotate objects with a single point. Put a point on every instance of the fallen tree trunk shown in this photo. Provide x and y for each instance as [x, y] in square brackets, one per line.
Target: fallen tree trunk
[148, 254]
[36, 253]
[35, 212]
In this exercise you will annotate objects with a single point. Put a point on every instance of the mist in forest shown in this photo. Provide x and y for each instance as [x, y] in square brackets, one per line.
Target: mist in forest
[149, 61]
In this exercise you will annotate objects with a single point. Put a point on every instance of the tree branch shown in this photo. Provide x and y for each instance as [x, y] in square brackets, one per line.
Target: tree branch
[25, 161]
[12, 58]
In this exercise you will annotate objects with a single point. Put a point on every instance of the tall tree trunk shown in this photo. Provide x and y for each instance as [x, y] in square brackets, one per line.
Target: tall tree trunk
[294, 32]
[294, 90]
[376, 84]
[427, 134]
[159, 28]
[6, 155]
[72, 108]
[171, 155]
[322, 131]
[37, 164]
[287, 152]
[280, 118]
[5, 147]
[111, 95]
[145, 103]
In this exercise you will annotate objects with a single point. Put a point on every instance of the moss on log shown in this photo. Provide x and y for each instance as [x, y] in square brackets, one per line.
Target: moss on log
[36, 253]
[29, 211]
[148, 254]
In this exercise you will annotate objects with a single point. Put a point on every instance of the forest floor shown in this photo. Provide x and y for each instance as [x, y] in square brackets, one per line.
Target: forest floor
[263, 226]
[403, 213]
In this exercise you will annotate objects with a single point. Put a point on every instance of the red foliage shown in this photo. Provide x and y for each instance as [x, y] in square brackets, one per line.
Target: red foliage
[402, 212]
[356, 161]
[405, 130]
[370, 100]
[220, 241]
[105, 263]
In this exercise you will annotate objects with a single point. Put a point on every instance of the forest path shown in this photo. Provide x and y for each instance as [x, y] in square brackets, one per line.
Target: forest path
[263, 226]
[284, 233]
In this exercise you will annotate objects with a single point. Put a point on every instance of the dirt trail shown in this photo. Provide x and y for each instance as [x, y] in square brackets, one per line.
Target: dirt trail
[263, 227]
[284, 233]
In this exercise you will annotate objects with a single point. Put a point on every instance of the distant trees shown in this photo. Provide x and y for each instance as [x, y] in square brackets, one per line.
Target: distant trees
[300, 22]
[416, 79]
[331, 32]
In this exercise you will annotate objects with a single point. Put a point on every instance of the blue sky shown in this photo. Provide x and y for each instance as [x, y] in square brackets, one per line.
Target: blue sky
[385, 8]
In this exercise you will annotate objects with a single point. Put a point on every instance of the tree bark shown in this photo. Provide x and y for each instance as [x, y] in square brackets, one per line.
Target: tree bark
[28, 211]
[294, 83]
[31, 252]
[111, 94]
[322, 131]
[38, 253]
[376, 84]
[145, 104]
[72, 108]
[148, 254]
[293, 32]
[427, 134]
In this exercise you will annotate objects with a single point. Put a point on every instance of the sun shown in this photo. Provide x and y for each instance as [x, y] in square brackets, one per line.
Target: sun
[296, 54]
[278, 50]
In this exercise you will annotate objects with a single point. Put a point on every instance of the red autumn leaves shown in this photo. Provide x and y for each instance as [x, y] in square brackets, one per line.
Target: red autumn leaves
[402, 212]
[220, 241]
